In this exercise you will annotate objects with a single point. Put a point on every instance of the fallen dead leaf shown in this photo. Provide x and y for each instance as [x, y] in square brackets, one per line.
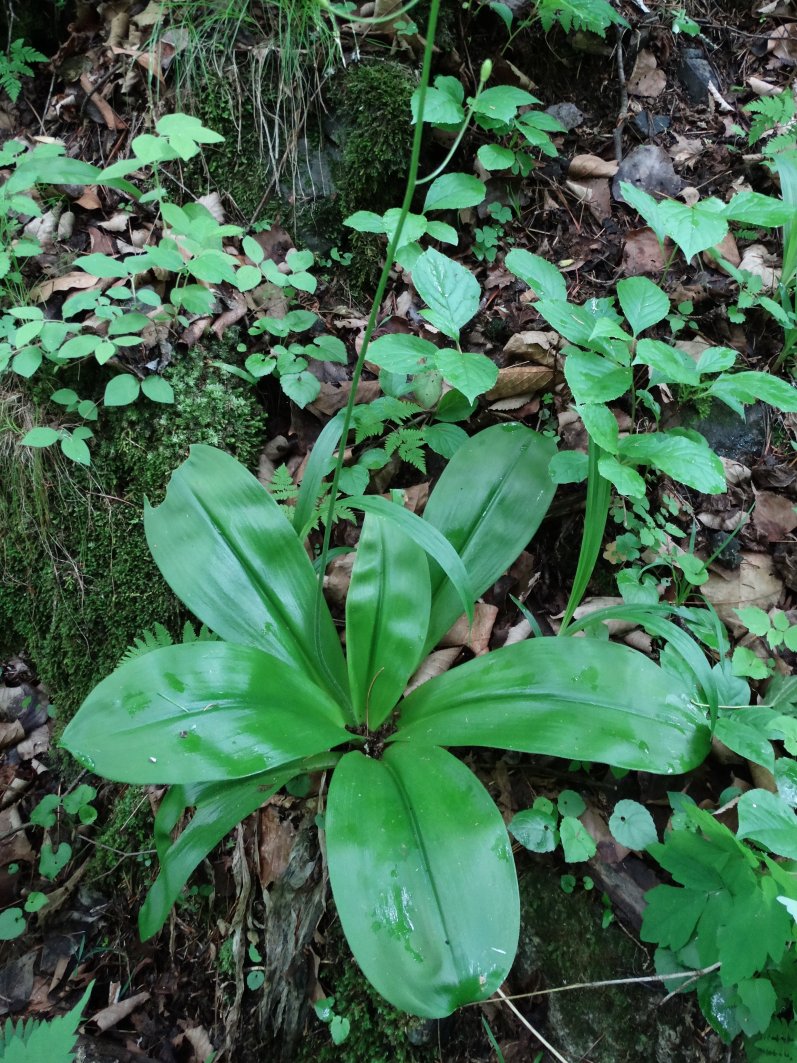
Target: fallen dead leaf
[783, 43]
[729, 250]
[758, 261]
[642, 253]
[595, 194]
[436, 663]
[477, 637]
[591, 166]
[533, 346]
[114, 1013]
[686, 151]
[520, 380]
[763, 88]
[333, 398]
[11, 733]
[338, 578]
[774, 516]
[753, 583]
[646, 78]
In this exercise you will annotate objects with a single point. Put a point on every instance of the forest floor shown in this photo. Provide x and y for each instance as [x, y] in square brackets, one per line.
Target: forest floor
[660, 108]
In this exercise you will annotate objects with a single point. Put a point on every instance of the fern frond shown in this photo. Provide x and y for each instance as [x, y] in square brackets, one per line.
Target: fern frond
[409, 443]
[594, 16]
[157, 637]
[34, 1041]
[282, 487]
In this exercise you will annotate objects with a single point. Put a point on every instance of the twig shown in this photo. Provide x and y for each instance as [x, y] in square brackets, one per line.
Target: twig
[623, 112]
[693, 975]
[527, 1024]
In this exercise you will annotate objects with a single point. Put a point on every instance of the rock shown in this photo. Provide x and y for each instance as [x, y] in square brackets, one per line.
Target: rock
[651, 124]
[731, 436]
[650, 168]
[566, 113]
[695, 74]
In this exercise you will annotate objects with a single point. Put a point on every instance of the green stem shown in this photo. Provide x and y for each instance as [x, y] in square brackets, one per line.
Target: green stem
[465, 122]
[350, 16]
[412, 178]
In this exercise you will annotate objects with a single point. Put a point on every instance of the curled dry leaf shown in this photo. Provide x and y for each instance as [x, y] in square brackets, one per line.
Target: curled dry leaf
[646, 79]
[276, 836]
[436, 663]
[337, 579]
[11, 733]
[758, 261]
[591, 166]
[476, 637]
[595, 194]
[533, 346]
[212, 202]
[763, 88]
[686, 151]
[729, 250]
[114, 1013]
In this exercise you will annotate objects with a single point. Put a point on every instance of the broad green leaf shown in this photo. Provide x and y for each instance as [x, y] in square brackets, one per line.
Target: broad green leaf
[767, 819]
[644, 303]
[423, 878]
[632, 825]
[540, 274]
[148, 149]
[495, 157]
[577, 844]
[571, 803]
[12, 924]
[750, 387]
[229, 553]
[502, 101]
[672, 365]
[157, 389]
[399, 353]
[625, 479]
[27, 361]
[219, 807]
[754, 619]
[432, 541]
[569, 467]
[593, 378]
[253, 250]
[439, 108]
[745, 739]
[680, 457]
[753, 208]
[330, 349]
[40, 437]
[52, 860]
[445, 439]
[103, 266]
[695, 228]
[601, 424]
[645, 205]
[75, 449]
[575, 323]
[187, 126]
[412, 230]
[301, 388]
[454, 191]
[121, 390]
[671, 915]
[365, 221]
[201, 712]
[440, 230]
[386, 612]
[581, 699]
[449, 290]
[472, 374]
[759, 1002]
[478, 513]
[535, 829]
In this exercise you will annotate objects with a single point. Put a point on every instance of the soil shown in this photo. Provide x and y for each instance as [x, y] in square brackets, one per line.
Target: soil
[259, 907]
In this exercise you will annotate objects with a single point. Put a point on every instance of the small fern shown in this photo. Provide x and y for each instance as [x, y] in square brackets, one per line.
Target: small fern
[409, 443]
[777, 1045]
[14, 65]
[594, 16]
[157, 637]
[37, 1042]
[772, 114]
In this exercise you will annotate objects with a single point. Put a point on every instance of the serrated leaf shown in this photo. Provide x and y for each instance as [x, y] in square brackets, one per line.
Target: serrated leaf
[471, 374]
[643, 302]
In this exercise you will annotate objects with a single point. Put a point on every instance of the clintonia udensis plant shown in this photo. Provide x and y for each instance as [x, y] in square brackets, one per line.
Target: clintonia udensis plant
[419, 859]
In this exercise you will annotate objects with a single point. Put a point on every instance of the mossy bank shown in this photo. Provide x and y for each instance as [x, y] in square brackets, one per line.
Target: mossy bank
[77, 583]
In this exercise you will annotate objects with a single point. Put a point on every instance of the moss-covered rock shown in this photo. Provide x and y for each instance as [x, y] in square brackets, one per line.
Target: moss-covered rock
[373, 109]
[562, 942]
[77, 583]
